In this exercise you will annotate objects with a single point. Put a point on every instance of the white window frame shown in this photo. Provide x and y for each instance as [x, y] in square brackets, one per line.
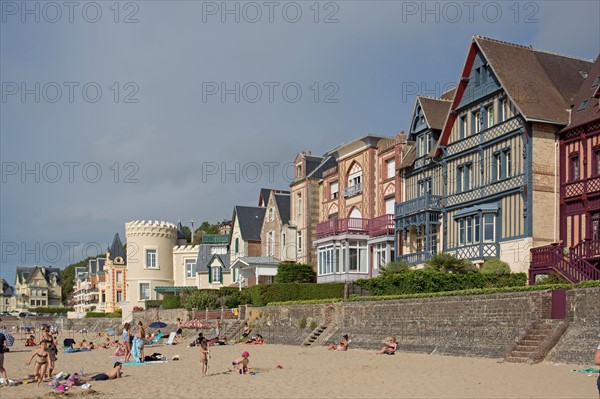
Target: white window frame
[489, 112]
[146, 266]
[216, 270]
[485, 223]
[299, 204]
[140, 291]
[334, 189]
[390, 166]
[362, 265]
[189, 262]
[355, 179]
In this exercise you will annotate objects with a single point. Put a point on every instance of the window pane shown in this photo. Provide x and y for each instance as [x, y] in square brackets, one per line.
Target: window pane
[469, 230]
[488, 228]
[477, 228]
[363, 267]
[353, 259]
[461, 232]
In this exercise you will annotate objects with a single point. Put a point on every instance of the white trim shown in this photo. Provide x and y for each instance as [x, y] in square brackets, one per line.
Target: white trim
[139, 298]
[150, 247]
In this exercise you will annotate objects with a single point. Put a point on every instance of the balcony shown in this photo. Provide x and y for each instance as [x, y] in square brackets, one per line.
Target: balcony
[381, 226]
[353, 190]
[342, 226]
[419, 204]
[415, 258]
[479, 251]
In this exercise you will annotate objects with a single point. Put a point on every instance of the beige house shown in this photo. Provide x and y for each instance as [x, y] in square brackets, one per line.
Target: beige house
[278, 238]
[37, 286]
[304, 202]
[113, 290]
[245, 231]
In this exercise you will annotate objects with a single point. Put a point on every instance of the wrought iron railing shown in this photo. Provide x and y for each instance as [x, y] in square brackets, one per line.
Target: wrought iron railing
[381, 226]
[415, 258]
[339, 226]
[353, 190]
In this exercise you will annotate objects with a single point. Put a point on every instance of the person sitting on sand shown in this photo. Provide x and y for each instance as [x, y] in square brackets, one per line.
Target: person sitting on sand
[42, 356]
[112, 374]
[390, 346]
[218, 341]
[246, 331]
[30, 341]
[106, 344]
[258, 340]
[342, 346]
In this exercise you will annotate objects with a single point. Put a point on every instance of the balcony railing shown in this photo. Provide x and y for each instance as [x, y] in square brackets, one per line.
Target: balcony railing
[479, 251]
[381, 226]
[426, 202]
[415, 258]
[353, 190]
[341, 226]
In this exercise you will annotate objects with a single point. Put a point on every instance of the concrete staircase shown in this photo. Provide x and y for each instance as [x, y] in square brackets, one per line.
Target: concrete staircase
[233, 330]
[320, 334]
[539, 338]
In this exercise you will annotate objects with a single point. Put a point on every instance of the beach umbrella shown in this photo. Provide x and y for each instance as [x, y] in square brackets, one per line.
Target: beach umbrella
[10, 340]
[157, 324]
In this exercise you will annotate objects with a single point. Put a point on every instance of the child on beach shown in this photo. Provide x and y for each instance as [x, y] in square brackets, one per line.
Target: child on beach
[390, 346]
[204, 355]
[41, 363]
[179, 332]
[242, 363]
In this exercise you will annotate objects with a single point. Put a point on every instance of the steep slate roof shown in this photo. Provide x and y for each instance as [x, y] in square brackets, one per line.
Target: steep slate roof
[435, 110]
[205, 258]
[283, 205]
[589, 92]
[180, 232]
[6, 289]
[265, 193]
[541, 84]
[24, 273]
[250, 219]
[116, 249]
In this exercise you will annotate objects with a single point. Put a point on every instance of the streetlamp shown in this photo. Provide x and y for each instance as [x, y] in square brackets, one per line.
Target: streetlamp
[192, 223]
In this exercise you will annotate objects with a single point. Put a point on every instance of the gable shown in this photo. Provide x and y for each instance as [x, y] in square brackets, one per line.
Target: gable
[418, 122]
[482, 82]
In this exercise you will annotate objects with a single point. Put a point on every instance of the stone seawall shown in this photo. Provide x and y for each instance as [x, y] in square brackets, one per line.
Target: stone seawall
[480, 325]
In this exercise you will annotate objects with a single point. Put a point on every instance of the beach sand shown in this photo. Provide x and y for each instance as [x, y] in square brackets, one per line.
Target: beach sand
[308, 373]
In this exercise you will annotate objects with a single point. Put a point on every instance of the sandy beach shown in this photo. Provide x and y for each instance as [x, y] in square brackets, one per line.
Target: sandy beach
[308, 372]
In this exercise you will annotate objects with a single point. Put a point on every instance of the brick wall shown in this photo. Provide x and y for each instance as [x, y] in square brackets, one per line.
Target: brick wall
[482, 325]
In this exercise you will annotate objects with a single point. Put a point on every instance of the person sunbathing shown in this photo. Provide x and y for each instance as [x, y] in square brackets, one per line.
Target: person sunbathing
[112, 374]
[258, 340]
[106, 344]
[30, 341]
[342, 346]
[390, 346]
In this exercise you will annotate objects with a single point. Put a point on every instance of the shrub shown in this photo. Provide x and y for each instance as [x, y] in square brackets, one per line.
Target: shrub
[306, 302]
[153, 303]
[551, 278]
[428, 280]
[394, 268]
[302, 323]
[313, 325]
[448, 263]
[200, 299]
[117, 314]
[289, 272]
[171, 302]
[263, 294]
[495, 266]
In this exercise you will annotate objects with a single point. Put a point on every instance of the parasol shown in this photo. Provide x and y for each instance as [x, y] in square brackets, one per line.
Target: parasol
[10, 340]
[157, 324]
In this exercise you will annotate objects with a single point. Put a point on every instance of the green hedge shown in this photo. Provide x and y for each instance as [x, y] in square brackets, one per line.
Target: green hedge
[263, 294]
[116, 314]
[153, 303]
[422, 281]
[171, 302]
[477, 291]
[291, 272]
[306, 302]
[51, 310]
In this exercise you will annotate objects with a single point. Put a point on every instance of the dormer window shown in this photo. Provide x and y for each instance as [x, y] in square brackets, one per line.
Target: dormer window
[423, 144]
[298, 170]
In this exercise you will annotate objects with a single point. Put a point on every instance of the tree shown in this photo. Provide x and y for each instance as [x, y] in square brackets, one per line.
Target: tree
[448, 263]
[291, 272]
[68, 278]
[188, 233]
[495, 266]
[394, 268]
[205, 228]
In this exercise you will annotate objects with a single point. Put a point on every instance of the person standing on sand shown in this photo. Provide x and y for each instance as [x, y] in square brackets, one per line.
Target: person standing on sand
[3, 349]
[204, 355]
[218, 327]
[179, 332]
[139, 341]
[597, 361]
[41, 363]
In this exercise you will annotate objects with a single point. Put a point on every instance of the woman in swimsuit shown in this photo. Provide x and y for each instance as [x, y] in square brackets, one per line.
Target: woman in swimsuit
[127, 340]
[342, 346]
[52, 349]
[42, 356]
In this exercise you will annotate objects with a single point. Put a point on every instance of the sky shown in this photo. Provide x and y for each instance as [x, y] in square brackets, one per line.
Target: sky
[179, 110]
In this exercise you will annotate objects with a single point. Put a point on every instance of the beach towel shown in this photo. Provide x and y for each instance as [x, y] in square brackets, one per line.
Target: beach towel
[588, 370]
[144, 363]
[136, 348]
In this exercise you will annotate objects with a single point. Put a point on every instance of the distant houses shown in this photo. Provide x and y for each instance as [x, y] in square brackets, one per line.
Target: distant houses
[505, 166]
[37, 286]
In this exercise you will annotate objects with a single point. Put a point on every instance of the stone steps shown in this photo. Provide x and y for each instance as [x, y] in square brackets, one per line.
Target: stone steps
[530, 349]
[312, 338]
